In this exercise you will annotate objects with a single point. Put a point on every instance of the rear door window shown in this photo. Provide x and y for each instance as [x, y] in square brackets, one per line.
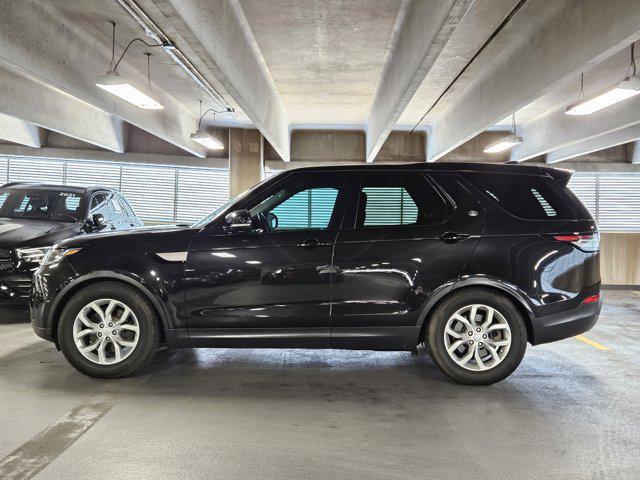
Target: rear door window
[398, 199]
[524, 196]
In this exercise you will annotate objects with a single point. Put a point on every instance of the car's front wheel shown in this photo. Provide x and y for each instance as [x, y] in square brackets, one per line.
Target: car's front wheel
[477, 336]
[108, 330]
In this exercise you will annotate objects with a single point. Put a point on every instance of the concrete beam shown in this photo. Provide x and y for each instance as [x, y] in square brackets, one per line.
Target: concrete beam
[543, 46]
[601, 142]
[633, 152]
[35, 102]
[220, 42]
[403, 147]
[601, 166]
[24, 133]
[327, 146]
[64, 58]
[421, 31]
[473, 150]
[101, 155]
[556, 130]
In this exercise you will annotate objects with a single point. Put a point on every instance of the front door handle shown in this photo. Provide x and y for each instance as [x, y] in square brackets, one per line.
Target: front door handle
[452, 237]
[312, 243]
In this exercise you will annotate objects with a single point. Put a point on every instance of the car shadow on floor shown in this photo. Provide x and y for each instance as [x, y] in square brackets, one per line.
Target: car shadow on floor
[366, 377]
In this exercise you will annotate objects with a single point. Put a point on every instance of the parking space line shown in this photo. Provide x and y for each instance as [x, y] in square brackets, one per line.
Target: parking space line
[597, 345]
[35, 454]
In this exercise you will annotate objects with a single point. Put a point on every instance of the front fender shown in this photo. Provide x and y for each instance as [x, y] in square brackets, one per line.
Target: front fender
[154, 296]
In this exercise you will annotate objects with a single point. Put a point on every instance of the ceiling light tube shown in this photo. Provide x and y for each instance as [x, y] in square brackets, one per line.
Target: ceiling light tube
[504, 143]
[113, 83]
[627, 88]
[206, 140]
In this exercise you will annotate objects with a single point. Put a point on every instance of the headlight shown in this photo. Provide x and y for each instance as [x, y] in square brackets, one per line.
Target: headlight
[57, 254]
[32, 255]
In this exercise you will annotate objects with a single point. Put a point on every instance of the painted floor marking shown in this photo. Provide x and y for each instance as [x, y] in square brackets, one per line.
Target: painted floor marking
[597, 345]
[35, 454]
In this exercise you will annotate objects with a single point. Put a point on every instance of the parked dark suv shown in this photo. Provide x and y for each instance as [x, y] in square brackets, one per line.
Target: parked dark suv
[475, 260]
[33, 217]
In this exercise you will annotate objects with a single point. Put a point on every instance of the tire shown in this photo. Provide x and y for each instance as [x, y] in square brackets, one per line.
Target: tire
[497, 359]
[135, 348]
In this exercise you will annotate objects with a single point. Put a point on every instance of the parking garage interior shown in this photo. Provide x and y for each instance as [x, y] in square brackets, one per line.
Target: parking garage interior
[236, 91]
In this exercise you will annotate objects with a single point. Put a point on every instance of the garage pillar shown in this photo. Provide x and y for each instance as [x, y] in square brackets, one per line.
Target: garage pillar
[245, 159]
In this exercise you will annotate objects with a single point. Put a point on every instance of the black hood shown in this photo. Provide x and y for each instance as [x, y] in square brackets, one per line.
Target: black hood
[141, 234]
[34, 233]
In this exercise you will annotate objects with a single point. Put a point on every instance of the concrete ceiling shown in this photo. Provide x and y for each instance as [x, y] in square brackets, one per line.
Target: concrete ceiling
[325, 57]
[450, 68]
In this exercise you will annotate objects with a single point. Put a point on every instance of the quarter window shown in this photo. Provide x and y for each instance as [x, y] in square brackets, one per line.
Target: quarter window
[98, 202]
[525, 196]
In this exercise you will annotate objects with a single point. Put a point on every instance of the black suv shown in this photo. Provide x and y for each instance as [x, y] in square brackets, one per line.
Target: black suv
[33, 217]
[475, 260]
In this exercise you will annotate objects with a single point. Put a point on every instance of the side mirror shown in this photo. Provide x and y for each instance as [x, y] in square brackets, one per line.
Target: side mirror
[272, 220]
[239, 221]
[95, 223]
[98, 219]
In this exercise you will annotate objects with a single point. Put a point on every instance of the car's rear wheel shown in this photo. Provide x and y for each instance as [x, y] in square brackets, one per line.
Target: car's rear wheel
[477, 336]
[108, 330]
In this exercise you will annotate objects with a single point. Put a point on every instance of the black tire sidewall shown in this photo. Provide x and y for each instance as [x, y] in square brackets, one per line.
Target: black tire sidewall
[148, 335]
[437, 324]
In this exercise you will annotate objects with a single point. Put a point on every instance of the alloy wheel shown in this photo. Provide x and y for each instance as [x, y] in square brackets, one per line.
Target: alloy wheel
[477, 337]
[106, 331]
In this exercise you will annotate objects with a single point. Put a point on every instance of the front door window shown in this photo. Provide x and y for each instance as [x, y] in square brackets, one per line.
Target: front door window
[307, 203]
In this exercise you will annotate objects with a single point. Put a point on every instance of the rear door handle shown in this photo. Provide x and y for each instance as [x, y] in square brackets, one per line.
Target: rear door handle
[312, 243]
[452, 237]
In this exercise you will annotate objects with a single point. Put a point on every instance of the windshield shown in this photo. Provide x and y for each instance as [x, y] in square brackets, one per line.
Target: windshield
[31, 204]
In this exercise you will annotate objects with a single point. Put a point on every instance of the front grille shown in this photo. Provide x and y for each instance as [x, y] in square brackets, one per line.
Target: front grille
[6, 262]
[19, 286]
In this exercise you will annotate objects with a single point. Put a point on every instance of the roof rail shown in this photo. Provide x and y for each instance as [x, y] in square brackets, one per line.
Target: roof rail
[13, 184]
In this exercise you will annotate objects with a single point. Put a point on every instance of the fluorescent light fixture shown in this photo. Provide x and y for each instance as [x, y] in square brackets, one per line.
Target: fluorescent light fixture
[206, 140]
[503, 144]
[113, 83]
[627, 88]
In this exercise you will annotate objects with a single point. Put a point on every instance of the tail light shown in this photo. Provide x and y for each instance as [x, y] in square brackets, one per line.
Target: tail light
[591, 299]
[588, 242]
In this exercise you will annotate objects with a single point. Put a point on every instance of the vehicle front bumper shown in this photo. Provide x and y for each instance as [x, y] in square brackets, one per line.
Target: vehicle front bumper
[14, 295]
[38, 307]
[48, 282]
[565, 324]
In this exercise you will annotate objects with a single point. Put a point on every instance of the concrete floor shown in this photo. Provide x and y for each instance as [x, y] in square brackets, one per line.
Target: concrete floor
[570, 411]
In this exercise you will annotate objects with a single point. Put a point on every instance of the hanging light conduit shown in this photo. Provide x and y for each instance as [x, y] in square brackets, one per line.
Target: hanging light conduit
[152, 30]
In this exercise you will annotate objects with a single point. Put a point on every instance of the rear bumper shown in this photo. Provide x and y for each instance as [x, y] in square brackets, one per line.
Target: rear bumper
[565, 324]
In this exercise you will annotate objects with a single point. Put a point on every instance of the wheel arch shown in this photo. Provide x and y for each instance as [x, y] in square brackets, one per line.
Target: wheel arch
[97, 277]
[508, 290]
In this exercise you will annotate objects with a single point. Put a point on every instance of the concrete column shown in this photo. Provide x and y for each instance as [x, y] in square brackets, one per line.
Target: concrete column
[245, 159]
